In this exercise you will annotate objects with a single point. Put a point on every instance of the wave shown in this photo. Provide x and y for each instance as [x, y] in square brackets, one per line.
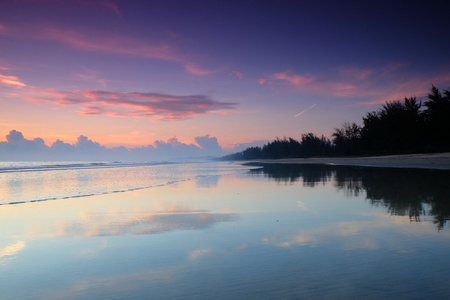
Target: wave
[7, 167]
[111, 192]
[27, 182]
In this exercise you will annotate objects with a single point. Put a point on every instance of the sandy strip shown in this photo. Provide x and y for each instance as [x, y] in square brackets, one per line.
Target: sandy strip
[422, 161]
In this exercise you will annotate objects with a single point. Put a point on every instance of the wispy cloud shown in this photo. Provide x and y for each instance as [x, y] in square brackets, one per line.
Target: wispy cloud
[111, 6]
[131, 104]
[163, 107]
[105, 42]
[11, 81]
[237, 74]
[91, 76]
[375, 85]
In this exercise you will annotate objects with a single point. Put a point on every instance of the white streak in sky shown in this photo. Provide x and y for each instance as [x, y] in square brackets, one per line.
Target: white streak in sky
[304, 110]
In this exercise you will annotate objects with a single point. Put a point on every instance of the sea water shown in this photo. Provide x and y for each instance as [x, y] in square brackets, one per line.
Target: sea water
[230, 232]
[43, 181]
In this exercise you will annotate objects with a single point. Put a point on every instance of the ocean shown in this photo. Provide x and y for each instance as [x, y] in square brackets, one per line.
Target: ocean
[222, 230]
[22, 182]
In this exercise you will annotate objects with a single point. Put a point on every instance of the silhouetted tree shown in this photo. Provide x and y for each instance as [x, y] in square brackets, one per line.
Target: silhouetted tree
[252, 153]
[437, 117]
[312, 145]
[281, 148]
[347, 139]
[396, 128]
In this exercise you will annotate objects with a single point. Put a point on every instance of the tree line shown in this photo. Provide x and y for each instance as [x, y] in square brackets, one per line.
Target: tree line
[398, 127]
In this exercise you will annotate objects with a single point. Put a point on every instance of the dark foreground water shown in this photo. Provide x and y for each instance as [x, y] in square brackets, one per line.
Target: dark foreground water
[226, 232]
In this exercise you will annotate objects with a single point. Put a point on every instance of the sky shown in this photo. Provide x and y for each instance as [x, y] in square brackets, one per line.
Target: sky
[210, 76]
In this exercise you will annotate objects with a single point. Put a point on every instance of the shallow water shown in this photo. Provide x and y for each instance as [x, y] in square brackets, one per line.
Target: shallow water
[279, 232]
[43, 181]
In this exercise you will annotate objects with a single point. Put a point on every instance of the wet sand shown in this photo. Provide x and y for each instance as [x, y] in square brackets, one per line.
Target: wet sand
[421, 161]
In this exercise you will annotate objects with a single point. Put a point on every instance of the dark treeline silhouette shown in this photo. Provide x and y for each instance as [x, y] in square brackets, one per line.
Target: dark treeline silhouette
[416, 193]
[310, 145]
[399, 127]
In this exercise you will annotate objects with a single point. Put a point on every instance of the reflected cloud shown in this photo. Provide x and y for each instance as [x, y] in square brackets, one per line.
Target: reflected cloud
[11, 249]
[356, 235]
[115, 284]
[299, 240]
[207, 181]
[198, 253]
[137, 221]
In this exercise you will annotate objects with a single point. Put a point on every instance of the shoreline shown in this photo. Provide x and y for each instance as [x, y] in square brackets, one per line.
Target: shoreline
[439, 161]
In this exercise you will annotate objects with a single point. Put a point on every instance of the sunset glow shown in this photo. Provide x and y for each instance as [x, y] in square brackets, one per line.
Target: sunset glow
[132, 74]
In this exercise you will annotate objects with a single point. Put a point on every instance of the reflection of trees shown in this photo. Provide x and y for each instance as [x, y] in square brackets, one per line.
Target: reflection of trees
[287, 173]
[404, 192]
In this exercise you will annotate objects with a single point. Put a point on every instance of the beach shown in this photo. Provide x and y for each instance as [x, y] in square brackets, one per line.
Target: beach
[421, 161]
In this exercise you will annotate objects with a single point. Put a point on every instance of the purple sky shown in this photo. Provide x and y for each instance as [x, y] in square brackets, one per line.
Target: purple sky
[134, 72]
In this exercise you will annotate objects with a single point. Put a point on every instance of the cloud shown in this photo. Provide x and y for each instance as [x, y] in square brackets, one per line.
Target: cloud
[111, 6]
[237, 74]
[315, 84]
[85, 144]
[140, 221]
[91, 76]
[17, 147]
[12, 249]
[373, 85]
[14, 137]
[131, 104]
[293, 79]
[196, 70]
[104, 42]
[209, 144]
[11, 81]
[198, 254]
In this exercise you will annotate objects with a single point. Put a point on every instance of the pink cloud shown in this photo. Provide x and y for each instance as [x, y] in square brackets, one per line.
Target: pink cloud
[196, 70]
[108, 44]
[91, 76]
[357, 73]
[3, 29]
[314, 84]
[237, 74]
[293, 79]
[105, 43]
[377, 85]
[11, 81]
[162, 106]
[111, 6]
